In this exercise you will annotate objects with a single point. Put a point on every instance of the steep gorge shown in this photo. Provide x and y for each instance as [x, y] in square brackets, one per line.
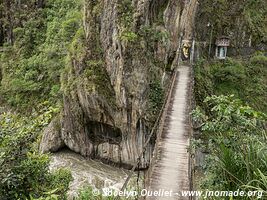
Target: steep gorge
[119, 66]
[90, 76]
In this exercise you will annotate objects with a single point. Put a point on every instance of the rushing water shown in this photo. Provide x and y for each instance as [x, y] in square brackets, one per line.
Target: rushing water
[88, 172]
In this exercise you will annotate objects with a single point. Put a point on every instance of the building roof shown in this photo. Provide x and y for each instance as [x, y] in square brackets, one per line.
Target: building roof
[223, 41]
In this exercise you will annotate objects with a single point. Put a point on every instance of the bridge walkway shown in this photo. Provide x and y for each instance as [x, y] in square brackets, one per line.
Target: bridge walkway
[170, 171]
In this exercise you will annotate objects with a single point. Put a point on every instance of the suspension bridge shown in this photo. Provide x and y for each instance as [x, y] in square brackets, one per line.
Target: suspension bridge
[170, 167]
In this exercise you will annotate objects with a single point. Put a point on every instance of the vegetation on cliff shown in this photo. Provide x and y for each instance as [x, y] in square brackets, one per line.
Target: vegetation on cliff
[24, 173]
[231, 117]
[241, 20]
[34, 43]
[50, 49]
[32, 61]
[231, 98]
[246, 79]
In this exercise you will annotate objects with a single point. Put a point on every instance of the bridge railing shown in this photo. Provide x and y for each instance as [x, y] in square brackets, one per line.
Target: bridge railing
[191, 159]
[161, 124]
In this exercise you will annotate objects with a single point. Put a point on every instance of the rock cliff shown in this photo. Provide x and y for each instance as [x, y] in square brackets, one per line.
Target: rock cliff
[119, 64]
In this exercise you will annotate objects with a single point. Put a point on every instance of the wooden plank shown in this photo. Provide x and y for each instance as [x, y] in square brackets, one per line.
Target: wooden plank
[170, 171]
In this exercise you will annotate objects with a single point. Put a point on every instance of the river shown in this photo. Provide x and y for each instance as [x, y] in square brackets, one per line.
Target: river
[89, 172]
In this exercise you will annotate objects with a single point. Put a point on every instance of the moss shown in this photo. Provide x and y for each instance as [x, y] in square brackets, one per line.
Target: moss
[161, 8]
[94, 79]
[125, 11]
[97, 10]
[128, 36]
[77, 47]
[85, 66]
[98, 79]
[155, 100]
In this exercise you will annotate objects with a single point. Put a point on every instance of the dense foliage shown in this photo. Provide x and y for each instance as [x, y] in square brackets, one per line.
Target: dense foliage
[34, 42]
[246, 79]
[233, 134]
[24, 173]
[235, 138]
[32, 63]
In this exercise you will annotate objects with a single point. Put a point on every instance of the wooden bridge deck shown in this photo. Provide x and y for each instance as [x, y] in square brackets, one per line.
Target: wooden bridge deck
[170, 171]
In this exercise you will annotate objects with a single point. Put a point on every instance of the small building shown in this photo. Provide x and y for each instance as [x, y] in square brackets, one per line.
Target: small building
[221, 47]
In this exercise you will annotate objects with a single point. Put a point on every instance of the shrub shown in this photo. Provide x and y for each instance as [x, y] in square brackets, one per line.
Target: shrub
[245, 79]
[23, 171]
[236, 142]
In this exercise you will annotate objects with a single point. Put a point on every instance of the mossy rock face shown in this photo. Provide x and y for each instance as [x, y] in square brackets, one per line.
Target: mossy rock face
[78, 45]
[107, 57]
[107, 83]
[115, 77]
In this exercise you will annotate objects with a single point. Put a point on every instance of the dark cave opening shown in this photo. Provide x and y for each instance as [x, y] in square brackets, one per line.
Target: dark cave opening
[100, 132]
